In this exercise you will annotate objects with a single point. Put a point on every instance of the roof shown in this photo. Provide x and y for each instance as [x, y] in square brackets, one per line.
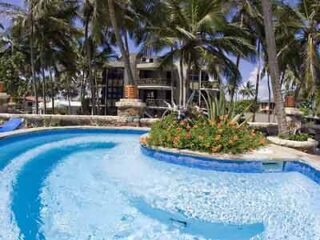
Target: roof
[62, 104]
[32, 99]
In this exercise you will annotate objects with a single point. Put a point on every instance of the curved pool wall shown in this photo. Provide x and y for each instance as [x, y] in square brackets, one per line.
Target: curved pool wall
[201, 162]
[237, 166]
[17, 136]
[75, 183]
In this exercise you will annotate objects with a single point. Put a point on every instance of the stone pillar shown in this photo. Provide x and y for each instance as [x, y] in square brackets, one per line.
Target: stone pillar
[130, 108]
[294, 117]
[4, 99]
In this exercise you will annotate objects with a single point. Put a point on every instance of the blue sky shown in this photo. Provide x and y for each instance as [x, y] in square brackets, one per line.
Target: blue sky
[248, 70]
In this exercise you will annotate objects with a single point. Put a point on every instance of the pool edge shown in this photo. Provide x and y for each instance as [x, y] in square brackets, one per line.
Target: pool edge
[237, 164]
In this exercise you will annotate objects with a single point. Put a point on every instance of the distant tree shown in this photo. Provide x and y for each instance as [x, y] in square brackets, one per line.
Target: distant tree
[248, 90]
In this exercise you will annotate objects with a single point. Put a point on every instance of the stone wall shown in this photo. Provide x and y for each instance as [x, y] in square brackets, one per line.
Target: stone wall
[32, 120]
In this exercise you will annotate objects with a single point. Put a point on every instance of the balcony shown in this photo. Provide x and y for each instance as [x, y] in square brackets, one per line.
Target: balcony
[205, 85]
[156, 103]
[154, 83]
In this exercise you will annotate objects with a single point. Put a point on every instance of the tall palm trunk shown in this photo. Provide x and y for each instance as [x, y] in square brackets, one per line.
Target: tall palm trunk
[187, 85]
[44, 93]
[234, 83]
[88, 45]
[34, 83]
[124, 52]
[269, 98]
[274, 67]
[82, 90]
[93, 91]
[171, 80]
[96, 93]
[69, 95]
[52, 90]
[257, 82]
[181, 82]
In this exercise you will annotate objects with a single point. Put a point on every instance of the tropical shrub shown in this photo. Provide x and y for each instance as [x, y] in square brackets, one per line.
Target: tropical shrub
[300, 137]
[202, 134]
[245, 105]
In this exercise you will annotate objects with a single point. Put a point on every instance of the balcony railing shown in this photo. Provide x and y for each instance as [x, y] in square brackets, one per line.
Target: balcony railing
[156, 103]
[154, 82]
[204, 85]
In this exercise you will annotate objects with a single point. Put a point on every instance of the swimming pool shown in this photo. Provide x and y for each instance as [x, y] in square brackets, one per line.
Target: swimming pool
[97, 184]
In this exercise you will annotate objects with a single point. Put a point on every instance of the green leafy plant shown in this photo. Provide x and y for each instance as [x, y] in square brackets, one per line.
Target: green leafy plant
[245, 105]
[300, 137]
[220, 110]
[202, 134]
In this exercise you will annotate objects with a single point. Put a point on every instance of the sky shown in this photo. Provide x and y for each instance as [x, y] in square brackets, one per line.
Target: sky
[248, 70]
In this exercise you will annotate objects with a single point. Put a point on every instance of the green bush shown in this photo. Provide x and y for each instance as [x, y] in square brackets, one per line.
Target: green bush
[300, 137]
[245, 106]
[202, 134]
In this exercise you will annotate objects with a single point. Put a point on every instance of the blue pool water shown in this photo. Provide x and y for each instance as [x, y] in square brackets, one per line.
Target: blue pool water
[97, 184]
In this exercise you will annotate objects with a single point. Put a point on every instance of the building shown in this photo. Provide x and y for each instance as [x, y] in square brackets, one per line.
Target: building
[265, 106]
[61, 107]
[157, 85]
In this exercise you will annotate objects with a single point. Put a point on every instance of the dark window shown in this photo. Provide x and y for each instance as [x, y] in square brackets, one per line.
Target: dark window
[169, 75]
[147, 74]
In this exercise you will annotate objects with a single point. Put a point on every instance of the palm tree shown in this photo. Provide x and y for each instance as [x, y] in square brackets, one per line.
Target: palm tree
[248, 90]
[300, 44]
[113, 7]
[247, 15]
[47, 26]
[197, 31]
[274, 67]
[26, 16]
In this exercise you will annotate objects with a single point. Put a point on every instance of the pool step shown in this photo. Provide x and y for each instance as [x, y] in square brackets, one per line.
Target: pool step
[275, 166]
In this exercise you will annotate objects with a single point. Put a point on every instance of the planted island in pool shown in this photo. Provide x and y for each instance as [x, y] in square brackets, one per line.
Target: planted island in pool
[199, 133]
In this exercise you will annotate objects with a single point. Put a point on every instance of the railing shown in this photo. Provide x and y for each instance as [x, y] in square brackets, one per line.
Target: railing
[204, 84]
[154, 81]
[156, 103]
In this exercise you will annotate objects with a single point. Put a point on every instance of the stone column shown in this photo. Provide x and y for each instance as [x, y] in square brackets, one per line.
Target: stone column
[130, 108]
[4, 98]
[294, 117]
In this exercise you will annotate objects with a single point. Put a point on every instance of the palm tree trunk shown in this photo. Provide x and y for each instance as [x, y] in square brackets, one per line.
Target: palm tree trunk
[171, 80]
[87, 63]
[124, 53]
[96, 92]
[89, 66]
[181, 81]
[257, 83]
[269, 98]
[274, 67]
[93, 91]
[34, 83]
[126, 42]
[187, 85]
[234, 83]
[82, 90]
[52, 90]
[44, 94]
[282, 78]
[44, 90]
[68, 96]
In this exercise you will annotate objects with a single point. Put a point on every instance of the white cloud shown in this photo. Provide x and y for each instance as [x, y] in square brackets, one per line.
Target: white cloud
[263, 87]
